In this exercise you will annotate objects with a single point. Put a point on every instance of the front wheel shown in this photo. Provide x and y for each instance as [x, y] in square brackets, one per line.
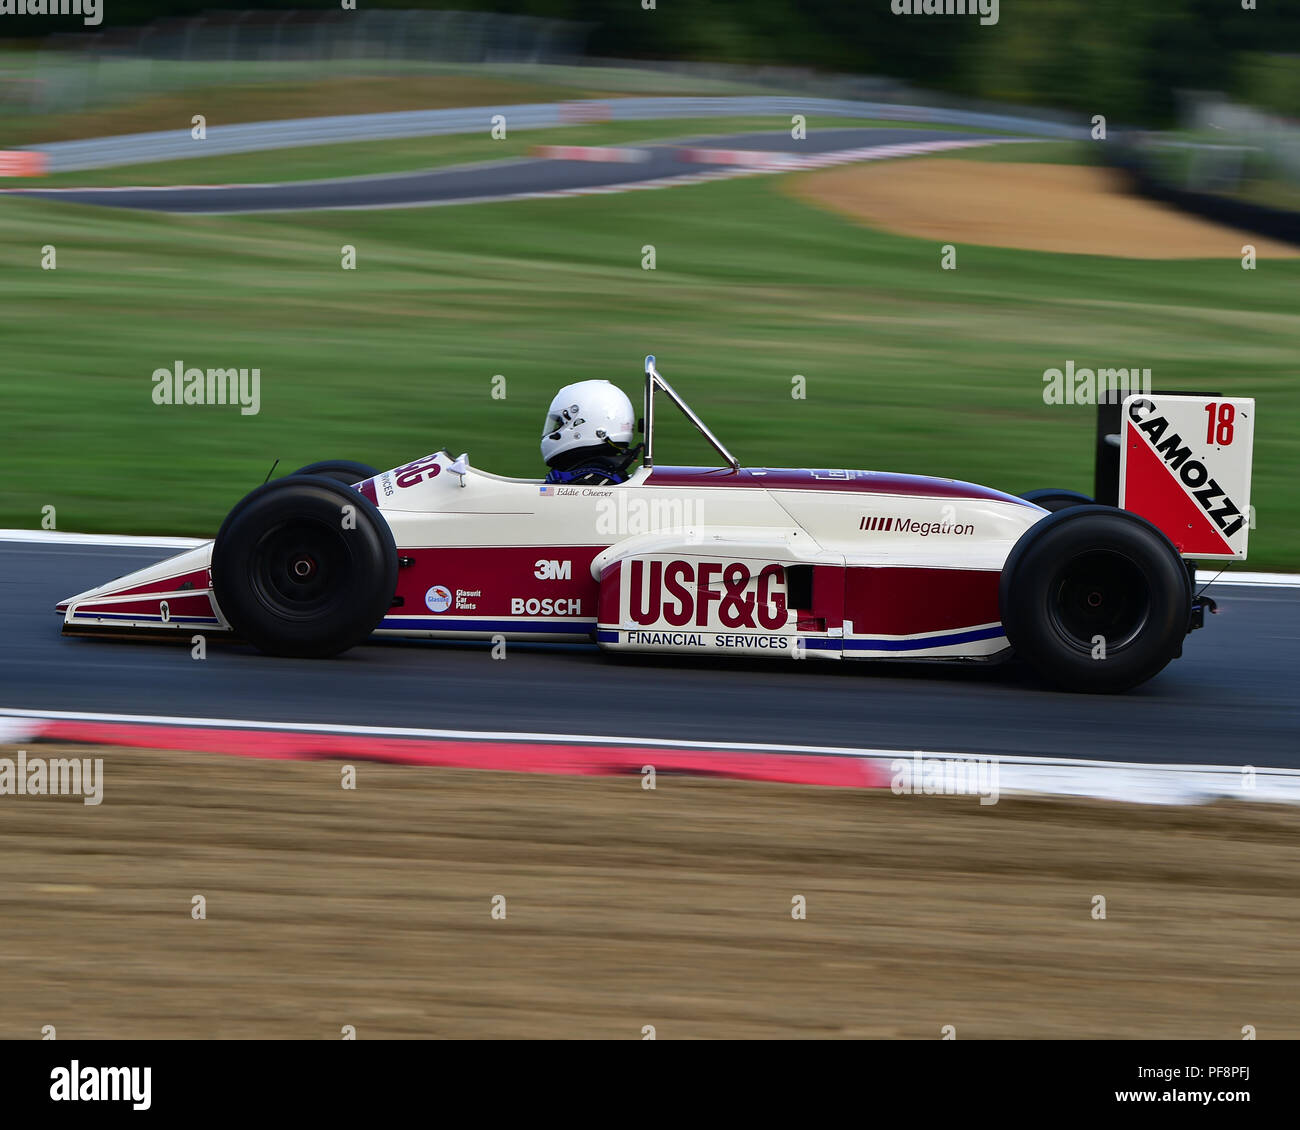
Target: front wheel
[1097, 599]
[304, 566]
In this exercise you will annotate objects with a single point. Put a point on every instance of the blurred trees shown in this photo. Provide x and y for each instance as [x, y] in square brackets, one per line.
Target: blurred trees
[1121, 58]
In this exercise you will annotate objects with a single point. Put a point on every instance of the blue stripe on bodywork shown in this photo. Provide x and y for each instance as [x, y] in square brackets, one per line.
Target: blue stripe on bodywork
[929, 641]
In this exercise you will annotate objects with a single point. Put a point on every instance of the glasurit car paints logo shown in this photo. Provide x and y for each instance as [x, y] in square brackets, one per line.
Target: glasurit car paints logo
[684, 592]
[438, 598]
[90, 11]
[876, 523]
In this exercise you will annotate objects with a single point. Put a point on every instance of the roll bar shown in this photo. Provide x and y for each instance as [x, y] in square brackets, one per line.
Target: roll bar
[653, 381]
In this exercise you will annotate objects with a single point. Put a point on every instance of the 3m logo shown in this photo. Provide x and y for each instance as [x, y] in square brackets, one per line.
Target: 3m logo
[553, 570]
[876, 524]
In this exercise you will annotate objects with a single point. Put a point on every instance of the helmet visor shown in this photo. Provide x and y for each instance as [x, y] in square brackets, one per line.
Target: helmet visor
[554, 422]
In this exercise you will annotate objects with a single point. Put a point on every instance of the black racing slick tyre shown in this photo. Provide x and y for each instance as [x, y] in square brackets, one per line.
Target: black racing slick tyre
[1096, 599]
[343, 471]
[1056, 498]
[304, 566]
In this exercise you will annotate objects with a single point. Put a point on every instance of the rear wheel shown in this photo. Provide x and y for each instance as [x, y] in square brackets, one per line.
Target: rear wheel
[1056, 498]
[304, 566]
[343, 471]
[1096, 598]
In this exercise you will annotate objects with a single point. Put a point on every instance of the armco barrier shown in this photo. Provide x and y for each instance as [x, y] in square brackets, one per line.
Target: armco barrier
[177, 144]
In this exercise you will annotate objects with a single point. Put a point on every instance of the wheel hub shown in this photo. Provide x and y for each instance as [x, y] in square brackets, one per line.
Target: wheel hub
[1099, 594]
[297, 568]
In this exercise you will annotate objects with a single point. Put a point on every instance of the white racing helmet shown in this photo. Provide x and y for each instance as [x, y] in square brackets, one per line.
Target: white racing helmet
[587, 415]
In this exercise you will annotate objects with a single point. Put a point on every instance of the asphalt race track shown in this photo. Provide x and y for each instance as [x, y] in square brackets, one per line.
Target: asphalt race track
[1230, 700]
[493, 180]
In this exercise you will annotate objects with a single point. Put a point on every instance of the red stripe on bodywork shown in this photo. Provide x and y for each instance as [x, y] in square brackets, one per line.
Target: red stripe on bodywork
[907, 601]
[514, 757]
[197, 578]
[179, 607]
[857, 482]
[500, 575]
[611, 584]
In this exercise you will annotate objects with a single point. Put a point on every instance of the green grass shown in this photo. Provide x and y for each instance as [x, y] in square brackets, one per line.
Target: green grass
[908, 367]
[366, 158]
[1035, 153]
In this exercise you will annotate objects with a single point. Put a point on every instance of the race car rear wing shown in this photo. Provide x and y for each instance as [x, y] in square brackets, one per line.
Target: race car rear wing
[1182, 460]
[1105, 476]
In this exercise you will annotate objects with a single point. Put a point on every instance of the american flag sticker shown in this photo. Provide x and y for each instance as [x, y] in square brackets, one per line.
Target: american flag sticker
[546, 490]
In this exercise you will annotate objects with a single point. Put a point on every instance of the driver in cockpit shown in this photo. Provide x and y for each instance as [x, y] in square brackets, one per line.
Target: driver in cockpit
[588, 436]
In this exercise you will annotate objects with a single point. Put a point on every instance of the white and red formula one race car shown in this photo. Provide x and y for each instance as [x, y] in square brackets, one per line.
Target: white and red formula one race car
[833, 564]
